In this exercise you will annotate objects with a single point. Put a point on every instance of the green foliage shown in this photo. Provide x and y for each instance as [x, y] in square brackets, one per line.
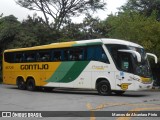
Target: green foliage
[8, 29]
[90, 28]
[33, 32]
[138, 28]
[145, 7]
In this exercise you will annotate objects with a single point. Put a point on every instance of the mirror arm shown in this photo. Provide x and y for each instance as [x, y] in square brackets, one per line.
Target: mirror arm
[133, 52]
[153, 55]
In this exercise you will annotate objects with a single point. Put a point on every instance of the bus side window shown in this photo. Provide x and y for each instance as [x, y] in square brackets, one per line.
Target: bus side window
[57, 55]
[97, 53]
[79, 54]
[90, 53]
[101, 55]
[19, 57]
[8, 57]
[43, 56]
[66, 55]
[30, 57]
[74, 54]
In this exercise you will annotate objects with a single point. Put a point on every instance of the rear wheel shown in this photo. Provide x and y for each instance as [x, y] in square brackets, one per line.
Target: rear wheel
[21, 84]
[31, 85]
[103, 88]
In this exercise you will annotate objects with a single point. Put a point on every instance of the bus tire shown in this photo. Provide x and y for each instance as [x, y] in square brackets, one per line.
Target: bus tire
[21, 84]
[103, 88]
[31, 85]
[119, 92]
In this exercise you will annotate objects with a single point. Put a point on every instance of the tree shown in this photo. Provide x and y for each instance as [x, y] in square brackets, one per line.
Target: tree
[9, 27]
[33, 32]
[90, 28]
[138, 28]
[145, 7]
[61, 10]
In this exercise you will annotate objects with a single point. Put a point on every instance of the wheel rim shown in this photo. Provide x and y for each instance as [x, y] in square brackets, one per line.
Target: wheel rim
[30, 85]
[20, 84]
[104, 89]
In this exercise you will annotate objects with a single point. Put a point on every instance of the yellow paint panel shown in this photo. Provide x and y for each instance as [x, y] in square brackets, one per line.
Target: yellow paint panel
[12, 71]
[50, 72]
[49, 46]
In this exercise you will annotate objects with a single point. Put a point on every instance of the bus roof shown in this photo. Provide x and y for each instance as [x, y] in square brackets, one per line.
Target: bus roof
[78, 43]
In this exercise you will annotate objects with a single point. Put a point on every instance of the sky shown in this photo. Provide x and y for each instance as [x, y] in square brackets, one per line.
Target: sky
[9, 7]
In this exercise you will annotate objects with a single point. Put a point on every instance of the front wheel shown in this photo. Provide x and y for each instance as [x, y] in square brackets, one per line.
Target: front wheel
[103, 88]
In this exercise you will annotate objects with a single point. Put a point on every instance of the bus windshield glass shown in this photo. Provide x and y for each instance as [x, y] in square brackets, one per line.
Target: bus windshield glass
[142, 68]
[128, 62]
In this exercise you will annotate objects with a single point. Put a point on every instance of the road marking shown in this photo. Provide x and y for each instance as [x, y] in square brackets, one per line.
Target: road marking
[99, 107]
[89, 106]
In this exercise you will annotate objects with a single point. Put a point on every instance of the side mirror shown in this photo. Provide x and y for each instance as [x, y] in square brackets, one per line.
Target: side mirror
[134, 53]
[153, 55]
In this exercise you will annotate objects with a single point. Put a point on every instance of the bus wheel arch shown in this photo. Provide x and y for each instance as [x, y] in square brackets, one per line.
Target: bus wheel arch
[30, 83]
[20, 83]
[103, 86]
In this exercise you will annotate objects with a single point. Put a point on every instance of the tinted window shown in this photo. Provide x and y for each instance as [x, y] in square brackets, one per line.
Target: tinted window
[96, 53]
[30, 56]
[9, 57]
[123, 61]
[57, 55]
[113, 49]
[74, 54]
[67, 54]
[19, 57]
[43, 56]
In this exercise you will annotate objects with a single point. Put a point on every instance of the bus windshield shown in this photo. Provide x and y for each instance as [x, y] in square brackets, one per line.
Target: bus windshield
[142, 68]
[128, 62]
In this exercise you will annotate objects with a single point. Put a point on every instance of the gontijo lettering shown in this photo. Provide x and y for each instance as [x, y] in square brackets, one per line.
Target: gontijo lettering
[34, 67]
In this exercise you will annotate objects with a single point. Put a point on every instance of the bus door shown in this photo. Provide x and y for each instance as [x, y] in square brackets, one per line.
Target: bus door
[125, 74]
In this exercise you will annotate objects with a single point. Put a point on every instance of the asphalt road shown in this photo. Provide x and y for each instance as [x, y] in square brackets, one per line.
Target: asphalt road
[13, 99]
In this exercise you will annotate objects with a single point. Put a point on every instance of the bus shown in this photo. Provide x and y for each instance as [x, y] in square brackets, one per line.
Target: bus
[105, 65]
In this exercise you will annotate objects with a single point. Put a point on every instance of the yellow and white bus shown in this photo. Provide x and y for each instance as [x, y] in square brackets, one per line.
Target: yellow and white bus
[105, 65]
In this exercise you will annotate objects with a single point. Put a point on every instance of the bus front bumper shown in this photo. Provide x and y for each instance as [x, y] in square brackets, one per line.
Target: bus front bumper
[144, 86]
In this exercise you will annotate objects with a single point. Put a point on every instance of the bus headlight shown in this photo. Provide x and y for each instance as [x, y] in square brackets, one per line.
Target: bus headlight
[146, 80]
